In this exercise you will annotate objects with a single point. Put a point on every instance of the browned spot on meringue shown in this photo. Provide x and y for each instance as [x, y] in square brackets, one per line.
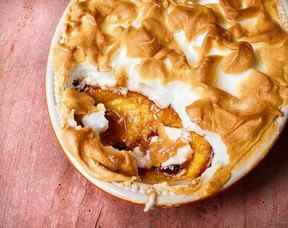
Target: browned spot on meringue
[173, 66]
[140, 43]
[217, 37]
[266, 30]
[271, 8]
[63, 59]
[76, 12]
[124, 12]
[210, 116]
[122, 78]
[268, 92]
[192, 20]
[104, 7]
[176, 59]
[274, 56]
[83, 34]
[233, 10]
[153, 69]
[120, 18]
[239, 60]
[81, 102]
[237, 30]
[206, 70]
[158, 30]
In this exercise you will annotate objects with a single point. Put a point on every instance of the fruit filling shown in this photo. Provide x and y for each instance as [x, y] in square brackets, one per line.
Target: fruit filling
[161, 147]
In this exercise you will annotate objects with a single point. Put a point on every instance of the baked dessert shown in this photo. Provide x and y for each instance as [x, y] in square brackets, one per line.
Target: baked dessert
[170, 94]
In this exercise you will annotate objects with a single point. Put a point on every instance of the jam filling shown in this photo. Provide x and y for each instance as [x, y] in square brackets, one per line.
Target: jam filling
[79, 85]
[170, 170]
[116, 128]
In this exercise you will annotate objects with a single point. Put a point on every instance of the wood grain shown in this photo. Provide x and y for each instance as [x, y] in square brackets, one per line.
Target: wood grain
[38, 186]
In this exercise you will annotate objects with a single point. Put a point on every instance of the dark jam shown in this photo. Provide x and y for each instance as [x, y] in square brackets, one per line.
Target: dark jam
[78, 119]
[120, 146]
[116, 129]
[79, 85]
[170, 170]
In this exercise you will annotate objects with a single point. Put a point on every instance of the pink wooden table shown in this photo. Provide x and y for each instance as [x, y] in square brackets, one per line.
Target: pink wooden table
[38, 186]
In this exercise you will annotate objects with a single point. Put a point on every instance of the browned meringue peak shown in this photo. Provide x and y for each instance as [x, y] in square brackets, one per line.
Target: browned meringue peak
[193, 19]
[76, 11]
[80, 102]
[220, 34]
[82, 34]
[175, 67]
[237, 30]
[217, 37]
[169, 68]
[206, 70]
[104, 7]
[120, 18]
[210, 71]
[274, 57]
[258, 89]
[147, 9]
[238, 131]
[121, 77]
[158, 30]
[246, 137]
[63, 60]
[271, 7]
[265, 30]
[123, 13]
[140, 43]
[153, 69]
[150, 9]
[233, 9]
[83, 38]
[105, 55]
[240, 59]
[283, 92]
[211, 116]
[87, 145]
[260, 26]
[181, 70]
[177, 60]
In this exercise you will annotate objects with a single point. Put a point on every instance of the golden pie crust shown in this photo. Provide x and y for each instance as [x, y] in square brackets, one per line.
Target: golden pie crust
[250, 39]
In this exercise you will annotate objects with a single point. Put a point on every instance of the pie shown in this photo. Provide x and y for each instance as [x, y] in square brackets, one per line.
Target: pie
[170, 94]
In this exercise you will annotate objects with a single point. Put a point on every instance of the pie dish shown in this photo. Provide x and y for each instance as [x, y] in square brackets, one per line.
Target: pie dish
[168, 102]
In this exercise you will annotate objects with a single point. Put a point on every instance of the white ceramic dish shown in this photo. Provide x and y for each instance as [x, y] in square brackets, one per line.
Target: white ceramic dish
[135, 193]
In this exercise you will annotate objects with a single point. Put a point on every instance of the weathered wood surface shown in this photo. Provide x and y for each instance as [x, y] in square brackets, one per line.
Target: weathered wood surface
[38, 186]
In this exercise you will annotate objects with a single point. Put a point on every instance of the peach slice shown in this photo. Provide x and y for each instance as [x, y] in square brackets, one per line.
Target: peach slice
[138, 115]
[191, 169]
